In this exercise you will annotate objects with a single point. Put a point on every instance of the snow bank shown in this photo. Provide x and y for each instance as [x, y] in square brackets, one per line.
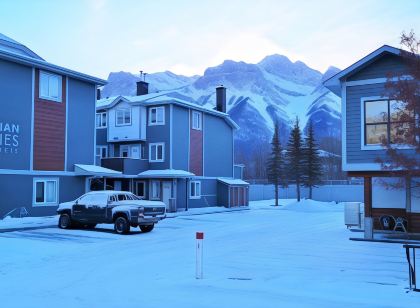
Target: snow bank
[305, 205]
[28, 222]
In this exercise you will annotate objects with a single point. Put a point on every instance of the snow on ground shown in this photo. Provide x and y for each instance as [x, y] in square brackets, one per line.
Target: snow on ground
[297, 254]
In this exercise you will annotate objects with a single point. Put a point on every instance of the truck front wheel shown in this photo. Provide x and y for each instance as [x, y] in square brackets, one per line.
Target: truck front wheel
[121, 225]
[147, 228]
[64, 222]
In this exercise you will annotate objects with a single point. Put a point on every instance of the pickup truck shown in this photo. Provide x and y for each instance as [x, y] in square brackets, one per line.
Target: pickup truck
[121, 208]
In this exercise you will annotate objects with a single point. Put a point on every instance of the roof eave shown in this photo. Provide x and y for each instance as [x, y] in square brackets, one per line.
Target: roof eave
[334, 83]
[50, 67]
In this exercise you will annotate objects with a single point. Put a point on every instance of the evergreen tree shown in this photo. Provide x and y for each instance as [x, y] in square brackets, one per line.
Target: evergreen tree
[311, 161]
[294, 157]
[275, 164]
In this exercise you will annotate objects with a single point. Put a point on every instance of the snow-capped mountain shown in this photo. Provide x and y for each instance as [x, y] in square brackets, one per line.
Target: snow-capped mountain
[273, 90]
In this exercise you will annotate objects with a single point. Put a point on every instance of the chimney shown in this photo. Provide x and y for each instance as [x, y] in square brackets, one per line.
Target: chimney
[98, 94]
[221, 99]
[142, 87]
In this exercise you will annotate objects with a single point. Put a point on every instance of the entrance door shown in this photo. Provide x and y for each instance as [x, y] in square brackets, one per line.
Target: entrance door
[167, 194]
[135, 151]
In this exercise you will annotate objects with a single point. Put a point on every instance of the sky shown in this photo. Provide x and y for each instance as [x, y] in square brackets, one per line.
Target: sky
[187, 36]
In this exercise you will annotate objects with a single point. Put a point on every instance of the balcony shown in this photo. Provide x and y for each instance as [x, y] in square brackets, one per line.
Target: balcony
[129, 166]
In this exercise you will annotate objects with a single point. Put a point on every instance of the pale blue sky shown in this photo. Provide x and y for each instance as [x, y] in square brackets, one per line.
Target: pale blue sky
[99, 36]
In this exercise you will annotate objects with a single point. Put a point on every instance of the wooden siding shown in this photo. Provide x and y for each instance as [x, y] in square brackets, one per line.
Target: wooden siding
[196, 150]
[381, 68]
[413, 219]
[49, 130]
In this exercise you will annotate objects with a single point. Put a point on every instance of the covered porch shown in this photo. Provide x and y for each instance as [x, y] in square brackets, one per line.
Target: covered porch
[391, 204]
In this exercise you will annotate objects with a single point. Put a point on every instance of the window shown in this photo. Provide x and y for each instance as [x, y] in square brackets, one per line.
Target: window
[156, 152]
[101, 120]
[50, 86]
[155, 190]
[141, 189]
[123, 117]
[157, 116]
[45, 192]
[101, 152]
[196, 120]
[125, 150]
[387, 122]
[195, 190]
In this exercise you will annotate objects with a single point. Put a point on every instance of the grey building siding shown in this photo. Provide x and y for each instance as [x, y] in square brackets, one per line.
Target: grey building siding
[159, 133]
[208, 194]
[223, 194]
[180, 140]
[354, 94]
[101, 136]
[70, 188]
[16, 109]
[218, 147]
[381, 68]
[80, 124]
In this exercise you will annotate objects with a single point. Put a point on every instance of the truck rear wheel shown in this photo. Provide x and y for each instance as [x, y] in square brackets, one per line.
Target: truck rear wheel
[64, 222]
[147, 228]
[121, 225]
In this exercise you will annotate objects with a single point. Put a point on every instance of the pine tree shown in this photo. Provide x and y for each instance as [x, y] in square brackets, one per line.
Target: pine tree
[311, 161]
[275, 164]
[294, 157]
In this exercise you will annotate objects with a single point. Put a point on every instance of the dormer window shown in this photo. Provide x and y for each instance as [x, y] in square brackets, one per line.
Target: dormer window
[123, 117]
[157, 116]
[50, 86]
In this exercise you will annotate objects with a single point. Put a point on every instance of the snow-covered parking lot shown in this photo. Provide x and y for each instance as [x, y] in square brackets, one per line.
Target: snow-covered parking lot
[294, 255]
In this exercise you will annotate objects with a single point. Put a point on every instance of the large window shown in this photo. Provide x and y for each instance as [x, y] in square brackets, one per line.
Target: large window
[195, 190]
[101, 120]
[156, 152]
[157, 116]
[141, 189]
[155, 190]
[387, 122]
[123, 117]
[45, 192]
[50, 86]
[196, 120]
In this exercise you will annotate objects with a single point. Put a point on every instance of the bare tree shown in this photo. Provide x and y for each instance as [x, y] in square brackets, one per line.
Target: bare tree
[404, 89]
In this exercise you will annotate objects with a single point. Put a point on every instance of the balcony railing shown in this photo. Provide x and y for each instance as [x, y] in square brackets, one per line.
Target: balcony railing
[130, 166]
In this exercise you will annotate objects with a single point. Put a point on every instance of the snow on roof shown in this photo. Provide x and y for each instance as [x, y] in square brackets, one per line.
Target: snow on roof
[166, 173]
[93, 170]
[161, 98]
[232, 181]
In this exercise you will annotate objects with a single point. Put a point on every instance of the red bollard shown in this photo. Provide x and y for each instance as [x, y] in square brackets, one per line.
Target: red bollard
[199, 255]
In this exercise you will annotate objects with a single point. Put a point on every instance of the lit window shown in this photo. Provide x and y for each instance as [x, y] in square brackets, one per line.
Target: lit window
[155, 190]
[45, 192]
[156, 152]
[123, 117]
[388, 121]
[50, 86]
[101, 120]
[195, 190]
[196, 120]
[157, 116]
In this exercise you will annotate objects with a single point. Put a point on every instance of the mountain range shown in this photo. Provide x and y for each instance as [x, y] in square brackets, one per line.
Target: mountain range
[258, 95]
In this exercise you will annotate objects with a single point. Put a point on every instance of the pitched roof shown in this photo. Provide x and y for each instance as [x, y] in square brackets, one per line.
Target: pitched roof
[14, 51]
[160, 98]
[334, 83]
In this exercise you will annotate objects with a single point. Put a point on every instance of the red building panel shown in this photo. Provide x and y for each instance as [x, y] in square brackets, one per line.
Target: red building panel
[49, 130]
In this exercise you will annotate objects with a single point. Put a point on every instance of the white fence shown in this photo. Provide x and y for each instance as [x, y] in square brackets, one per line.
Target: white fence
[339, 193]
